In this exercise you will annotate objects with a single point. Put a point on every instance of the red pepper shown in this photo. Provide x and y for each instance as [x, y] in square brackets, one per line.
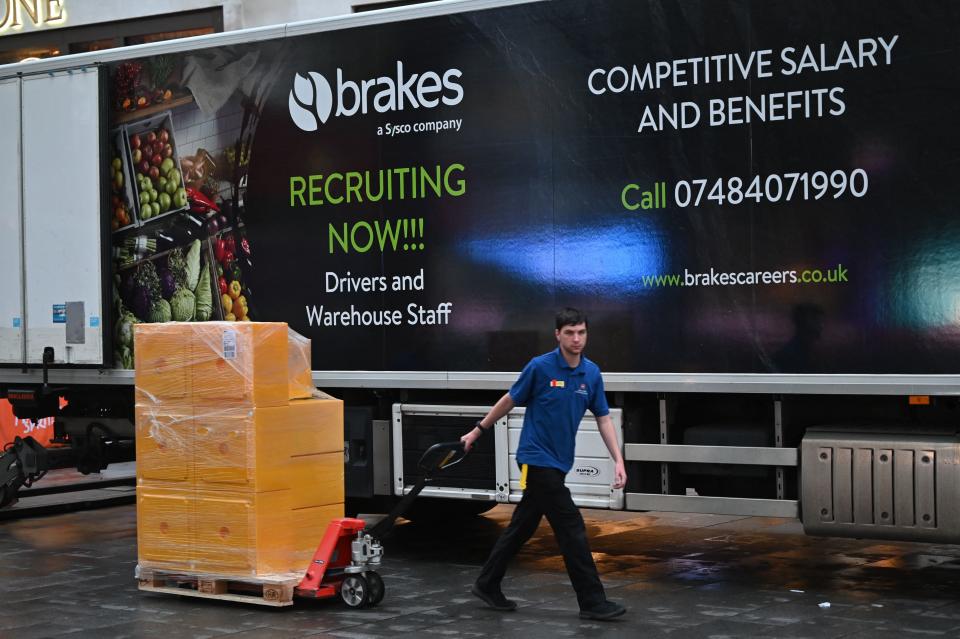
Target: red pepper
[200, 203]
[231, 243]
[245, 246]
[219, 249]
[222, 284]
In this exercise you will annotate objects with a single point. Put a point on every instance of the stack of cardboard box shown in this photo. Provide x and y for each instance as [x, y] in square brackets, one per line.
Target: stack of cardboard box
[239, 466]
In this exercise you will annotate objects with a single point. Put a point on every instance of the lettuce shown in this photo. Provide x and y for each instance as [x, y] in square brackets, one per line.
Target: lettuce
[193, 266]
[204, 296]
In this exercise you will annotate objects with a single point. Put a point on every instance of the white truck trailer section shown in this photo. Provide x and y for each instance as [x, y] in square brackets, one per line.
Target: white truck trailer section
[755, 202]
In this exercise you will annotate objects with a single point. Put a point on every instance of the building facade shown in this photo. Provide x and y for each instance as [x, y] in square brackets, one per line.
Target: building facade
[45, 28]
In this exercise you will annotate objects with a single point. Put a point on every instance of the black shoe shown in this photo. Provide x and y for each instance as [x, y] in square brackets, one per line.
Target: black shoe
[603, 611]
[495, 600]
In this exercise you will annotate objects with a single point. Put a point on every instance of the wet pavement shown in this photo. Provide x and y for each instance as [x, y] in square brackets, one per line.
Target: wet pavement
[686, 576]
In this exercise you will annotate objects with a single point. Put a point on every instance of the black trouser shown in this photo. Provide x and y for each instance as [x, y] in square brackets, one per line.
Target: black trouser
[546, 494]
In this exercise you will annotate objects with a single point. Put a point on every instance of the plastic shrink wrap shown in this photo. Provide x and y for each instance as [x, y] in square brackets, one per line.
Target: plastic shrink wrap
[239, 459]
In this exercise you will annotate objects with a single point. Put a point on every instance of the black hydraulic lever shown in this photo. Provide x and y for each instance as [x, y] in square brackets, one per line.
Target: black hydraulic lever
[437, 458]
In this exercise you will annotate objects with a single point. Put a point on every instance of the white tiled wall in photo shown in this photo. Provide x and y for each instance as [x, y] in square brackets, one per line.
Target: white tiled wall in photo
[194, 130]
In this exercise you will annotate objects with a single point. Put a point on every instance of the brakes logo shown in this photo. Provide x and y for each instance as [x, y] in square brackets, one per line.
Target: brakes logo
[587, 471]
[310, 101]
[313, 100]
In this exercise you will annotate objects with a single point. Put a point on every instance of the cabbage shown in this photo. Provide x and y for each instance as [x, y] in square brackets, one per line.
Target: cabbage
[160, 312]
[182, 305]
[125, 329]
[193, 265]
[204, 296]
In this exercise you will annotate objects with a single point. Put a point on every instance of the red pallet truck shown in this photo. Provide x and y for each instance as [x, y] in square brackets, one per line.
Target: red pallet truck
[349, 554]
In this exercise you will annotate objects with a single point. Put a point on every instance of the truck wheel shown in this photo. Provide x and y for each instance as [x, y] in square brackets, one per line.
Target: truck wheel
[355, 591]
[376, 587]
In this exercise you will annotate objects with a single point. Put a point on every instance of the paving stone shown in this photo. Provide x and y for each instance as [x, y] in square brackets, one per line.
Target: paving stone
[680, 576]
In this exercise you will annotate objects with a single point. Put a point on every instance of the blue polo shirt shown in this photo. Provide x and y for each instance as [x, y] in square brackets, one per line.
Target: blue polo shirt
[556, 397]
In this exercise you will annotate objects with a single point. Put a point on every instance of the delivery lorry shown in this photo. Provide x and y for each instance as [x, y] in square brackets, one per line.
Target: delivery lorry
[755, 202]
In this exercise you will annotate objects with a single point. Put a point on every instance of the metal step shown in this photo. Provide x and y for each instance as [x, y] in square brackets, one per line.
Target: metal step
[66, 490]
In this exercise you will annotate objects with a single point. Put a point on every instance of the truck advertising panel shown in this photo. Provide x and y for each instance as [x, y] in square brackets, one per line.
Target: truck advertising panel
[735, 187]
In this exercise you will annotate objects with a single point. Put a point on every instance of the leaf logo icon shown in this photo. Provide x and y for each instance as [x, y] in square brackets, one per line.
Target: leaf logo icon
[310, 101]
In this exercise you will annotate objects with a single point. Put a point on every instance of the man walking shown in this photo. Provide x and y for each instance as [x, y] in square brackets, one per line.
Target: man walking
[557, 388]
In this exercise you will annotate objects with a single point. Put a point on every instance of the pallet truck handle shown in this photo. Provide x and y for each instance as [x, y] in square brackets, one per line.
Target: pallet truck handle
[440, 457]
[437, 458]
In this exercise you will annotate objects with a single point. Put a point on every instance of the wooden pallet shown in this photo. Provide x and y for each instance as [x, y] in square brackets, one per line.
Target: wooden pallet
[264, 592]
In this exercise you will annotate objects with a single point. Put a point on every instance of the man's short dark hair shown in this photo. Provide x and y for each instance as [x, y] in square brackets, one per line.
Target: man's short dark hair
[571, 317]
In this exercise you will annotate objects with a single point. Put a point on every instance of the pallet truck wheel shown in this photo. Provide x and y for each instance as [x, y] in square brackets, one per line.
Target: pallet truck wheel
[376, 587]
[355, 591]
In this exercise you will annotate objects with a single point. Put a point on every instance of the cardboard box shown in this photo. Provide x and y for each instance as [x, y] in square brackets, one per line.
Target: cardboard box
[255, 363]
[165, 440]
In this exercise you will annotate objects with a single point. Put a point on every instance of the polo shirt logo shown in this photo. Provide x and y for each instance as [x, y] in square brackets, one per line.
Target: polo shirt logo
[556, 383]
